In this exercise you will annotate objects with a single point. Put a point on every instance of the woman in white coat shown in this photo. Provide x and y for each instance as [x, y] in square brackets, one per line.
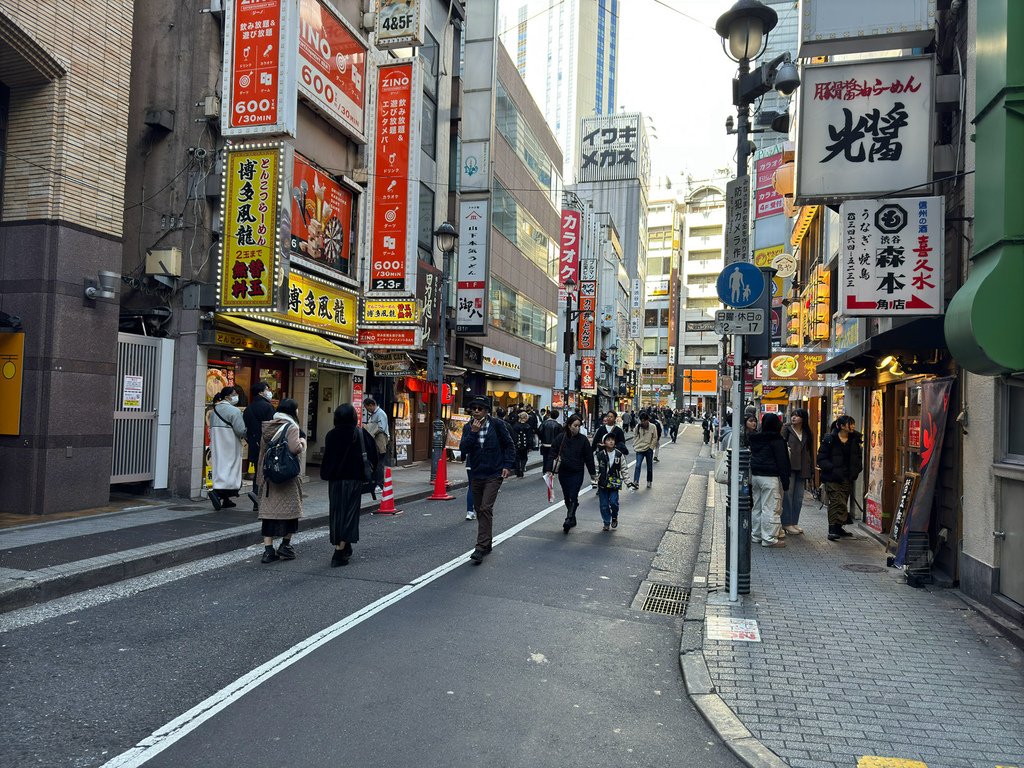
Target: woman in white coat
[227, 431]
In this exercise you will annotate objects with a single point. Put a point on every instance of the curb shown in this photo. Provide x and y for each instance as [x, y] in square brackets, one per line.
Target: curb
[693, 664]
[60, 581]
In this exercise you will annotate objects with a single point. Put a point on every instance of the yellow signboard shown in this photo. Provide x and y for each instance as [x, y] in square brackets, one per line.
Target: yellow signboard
[12, 371]
[763, 257]
[251, 208]
[319, 305]
[402, 311]
[238, 341]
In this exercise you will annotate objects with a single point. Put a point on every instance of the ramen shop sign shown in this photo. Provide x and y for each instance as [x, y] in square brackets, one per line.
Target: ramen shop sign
[795, 366]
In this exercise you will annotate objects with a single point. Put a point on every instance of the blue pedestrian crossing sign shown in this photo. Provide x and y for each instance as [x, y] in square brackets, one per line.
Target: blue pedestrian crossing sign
[740, 284]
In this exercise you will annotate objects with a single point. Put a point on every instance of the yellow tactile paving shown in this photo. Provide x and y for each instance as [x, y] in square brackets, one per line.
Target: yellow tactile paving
[871, 761]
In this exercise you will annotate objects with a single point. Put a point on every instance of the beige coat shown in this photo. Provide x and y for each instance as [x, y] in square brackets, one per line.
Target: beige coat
[645, 439]
[280, 501]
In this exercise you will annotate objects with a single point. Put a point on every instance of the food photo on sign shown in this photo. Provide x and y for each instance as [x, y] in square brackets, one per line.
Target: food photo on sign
[321, 217]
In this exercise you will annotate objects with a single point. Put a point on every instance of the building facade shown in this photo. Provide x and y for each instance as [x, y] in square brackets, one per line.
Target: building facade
[567, 54]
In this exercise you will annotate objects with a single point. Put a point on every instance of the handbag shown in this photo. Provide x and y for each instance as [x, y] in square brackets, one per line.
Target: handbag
[722, 467]
[557, 463]
[367, 485]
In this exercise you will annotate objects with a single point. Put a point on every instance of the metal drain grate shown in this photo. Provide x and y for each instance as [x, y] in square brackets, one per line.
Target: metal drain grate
[666, 599]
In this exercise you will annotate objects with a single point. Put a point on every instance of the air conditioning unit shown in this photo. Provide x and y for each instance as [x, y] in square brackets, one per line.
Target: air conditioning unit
[164, 261]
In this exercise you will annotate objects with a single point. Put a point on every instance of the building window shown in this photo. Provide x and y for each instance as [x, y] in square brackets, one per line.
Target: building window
[703, 304]
[701, 350]
[712, 231]
[650, 318]
[428, 120]
[515, 314]
[650, 345]
[512, 125]
[425, 233]
[513, 221]
[707, 255]
[1014, 425]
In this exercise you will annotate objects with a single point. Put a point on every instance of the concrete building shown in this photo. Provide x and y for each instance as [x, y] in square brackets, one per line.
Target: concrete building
[567, 54]
[662, 301]
[511, 176]
[64, 139]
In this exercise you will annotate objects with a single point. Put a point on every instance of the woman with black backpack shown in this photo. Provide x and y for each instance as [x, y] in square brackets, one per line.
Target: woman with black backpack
[350, 456]
[280, 495]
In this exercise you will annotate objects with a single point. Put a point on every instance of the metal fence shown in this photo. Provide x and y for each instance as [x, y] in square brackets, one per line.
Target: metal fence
[142, 408]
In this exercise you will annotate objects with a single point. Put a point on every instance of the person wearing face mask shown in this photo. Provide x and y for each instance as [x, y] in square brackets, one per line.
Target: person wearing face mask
[261, 409]
[227, 430]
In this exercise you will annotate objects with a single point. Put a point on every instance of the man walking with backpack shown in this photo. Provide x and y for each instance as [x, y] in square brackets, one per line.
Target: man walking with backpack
[490, 456]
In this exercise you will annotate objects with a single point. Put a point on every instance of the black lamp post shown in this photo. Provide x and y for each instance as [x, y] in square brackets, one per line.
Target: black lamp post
[447, 240]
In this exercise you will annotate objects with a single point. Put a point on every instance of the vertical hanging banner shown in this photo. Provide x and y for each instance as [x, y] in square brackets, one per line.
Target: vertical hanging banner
[569, 254]
[395, 178]
[636, 309]
[471, 280]
[768, 202]
[250, 267]
[934, 409]
[332, 67]
[737, 220]
[12, 373]
[321, 222]
[586, 331]
[588, 375]
[260, 47]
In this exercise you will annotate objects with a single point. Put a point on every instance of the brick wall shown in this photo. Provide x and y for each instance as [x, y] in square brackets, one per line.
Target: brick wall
[68, 129]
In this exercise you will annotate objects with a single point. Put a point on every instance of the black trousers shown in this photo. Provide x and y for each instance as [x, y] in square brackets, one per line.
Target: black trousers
[345, 499]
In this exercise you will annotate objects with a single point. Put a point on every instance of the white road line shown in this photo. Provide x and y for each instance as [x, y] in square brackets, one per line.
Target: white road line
[184, 724]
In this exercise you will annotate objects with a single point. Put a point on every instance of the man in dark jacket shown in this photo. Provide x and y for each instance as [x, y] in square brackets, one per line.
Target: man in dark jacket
[610, 428]
[549, 431]
[259, 410]
[770, 474]
[490, 456]
[841, 460]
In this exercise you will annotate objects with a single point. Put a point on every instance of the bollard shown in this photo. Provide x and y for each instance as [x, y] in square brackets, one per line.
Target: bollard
[746, 504]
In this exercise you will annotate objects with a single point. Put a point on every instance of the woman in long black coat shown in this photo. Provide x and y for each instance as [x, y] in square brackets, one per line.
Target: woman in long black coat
[573, 453]
[345, 472]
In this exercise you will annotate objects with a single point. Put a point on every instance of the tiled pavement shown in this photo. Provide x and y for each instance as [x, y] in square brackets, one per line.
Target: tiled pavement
[853, 662]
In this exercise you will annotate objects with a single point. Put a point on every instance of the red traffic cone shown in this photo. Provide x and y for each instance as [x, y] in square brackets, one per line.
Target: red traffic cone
[387, 497]
[441, 481]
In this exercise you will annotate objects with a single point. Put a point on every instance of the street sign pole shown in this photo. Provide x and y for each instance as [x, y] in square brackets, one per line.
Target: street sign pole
[734, 471]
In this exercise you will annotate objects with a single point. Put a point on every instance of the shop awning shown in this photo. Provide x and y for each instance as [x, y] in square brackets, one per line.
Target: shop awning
[924, 333]
[299, 344]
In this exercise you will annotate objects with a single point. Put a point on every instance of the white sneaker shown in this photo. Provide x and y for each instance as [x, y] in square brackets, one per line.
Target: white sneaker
[649, 485]
[796, 530]
[471, 515]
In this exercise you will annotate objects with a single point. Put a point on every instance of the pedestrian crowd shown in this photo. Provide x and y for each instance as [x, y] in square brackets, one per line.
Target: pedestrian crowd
[494, 447]
[783, 458]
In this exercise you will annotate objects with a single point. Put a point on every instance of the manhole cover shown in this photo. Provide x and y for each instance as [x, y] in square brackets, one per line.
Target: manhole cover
[666, 599]
[863, 568]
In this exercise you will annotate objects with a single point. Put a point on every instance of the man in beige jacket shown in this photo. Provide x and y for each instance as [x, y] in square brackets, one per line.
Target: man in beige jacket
[644, 443]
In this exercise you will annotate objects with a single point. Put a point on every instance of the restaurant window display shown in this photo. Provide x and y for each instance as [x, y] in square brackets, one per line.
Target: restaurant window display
[402, 427]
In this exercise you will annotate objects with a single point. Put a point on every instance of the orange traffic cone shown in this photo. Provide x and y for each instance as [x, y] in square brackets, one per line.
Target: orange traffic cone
[387, 497]
[441, 481]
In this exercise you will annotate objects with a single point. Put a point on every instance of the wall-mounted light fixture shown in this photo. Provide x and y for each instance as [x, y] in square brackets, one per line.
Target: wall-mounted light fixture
[104, 287]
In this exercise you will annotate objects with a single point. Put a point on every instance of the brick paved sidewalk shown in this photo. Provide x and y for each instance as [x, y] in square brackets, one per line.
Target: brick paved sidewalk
[853, 662]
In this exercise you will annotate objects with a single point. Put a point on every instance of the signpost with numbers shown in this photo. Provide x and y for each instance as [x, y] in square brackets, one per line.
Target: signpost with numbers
[739, 285]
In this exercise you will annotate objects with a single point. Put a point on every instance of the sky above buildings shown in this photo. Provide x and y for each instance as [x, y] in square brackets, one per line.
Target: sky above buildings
[672, 68]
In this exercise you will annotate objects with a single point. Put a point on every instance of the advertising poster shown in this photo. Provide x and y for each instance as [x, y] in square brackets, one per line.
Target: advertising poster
[12, 371]
[256, 68]
[394, 217]
[876, 463]
[321, 305]
[332, 67]
[796, 366]
[569, 258]
[471, 280]
[131, 393]
[399, 24]
[588, 374]
[865, 128]
[248, 256]
[400, 311]
[892, 259]
[389, 338]
[587, 327]
[321, 217]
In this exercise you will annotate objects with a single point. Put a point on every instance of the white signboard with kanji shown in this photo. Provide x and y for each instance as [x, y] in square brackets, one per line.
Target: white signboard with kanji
[892, 257]
[865, 128]
[471, 280]
[613, 147]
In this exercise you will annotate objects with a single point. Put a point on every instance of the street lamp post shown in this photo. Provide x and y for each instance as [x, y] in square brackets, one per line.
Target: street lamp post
[744, 30]
[447, 239]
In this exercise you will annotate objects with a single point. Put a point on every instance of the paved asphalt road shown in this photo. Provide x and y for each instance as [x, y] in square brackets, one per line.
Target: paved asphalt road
[532, 659]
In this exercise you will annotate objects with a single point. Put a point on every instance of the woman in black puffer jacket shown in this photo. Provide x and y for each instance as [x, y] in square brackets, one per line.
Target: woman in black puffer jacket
[770, 472]
[573, 452]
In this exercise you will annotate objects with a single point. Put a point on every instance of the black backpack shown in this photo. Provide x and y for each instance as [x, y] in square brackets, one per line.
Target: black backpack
[279, 464]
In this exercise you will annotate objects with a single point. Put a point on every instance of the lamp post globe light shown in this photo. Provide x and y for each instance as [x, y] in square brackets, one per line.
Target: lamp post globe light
[446, 238]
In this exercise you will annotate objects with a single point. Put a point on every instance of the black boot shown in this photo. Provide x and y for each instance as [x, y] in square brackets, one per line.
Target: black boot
[570, 517]
[834, 532]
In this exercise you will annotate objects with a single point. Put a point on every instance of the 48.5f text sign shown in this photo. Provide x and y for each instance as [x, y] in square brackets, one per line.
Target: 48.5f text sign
[742, 322]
